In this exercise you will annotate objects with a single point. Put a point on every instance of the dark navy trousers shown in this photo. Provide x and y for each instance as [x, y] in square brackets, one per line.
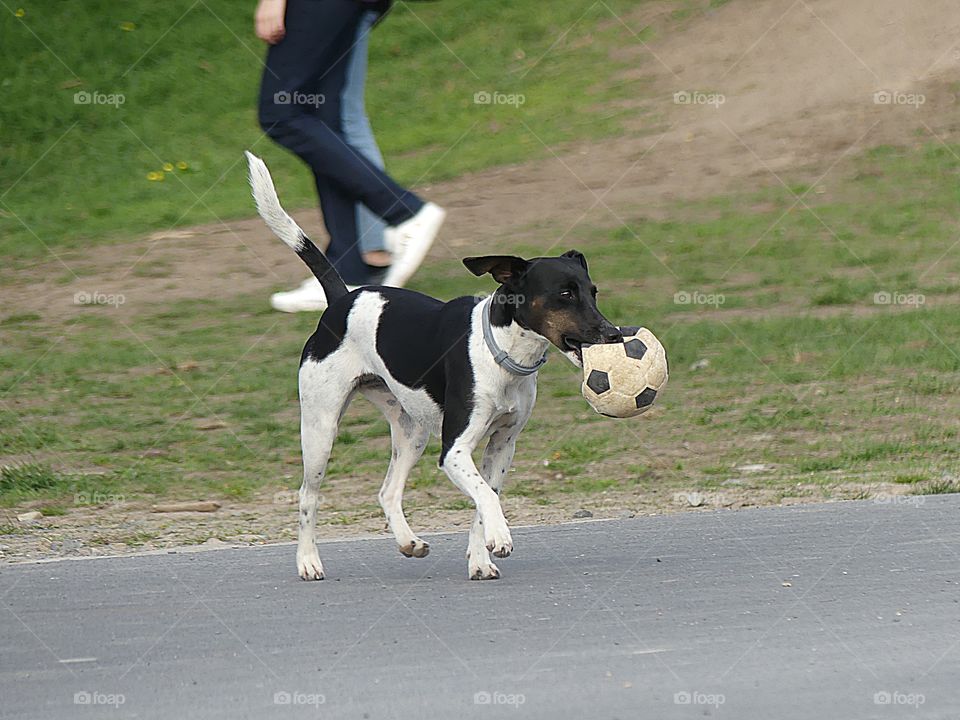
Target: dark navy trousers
[299, 108]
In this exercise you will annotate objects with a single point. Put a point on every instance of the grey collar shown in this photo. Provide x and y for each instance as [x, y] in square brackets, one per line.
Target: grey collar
[500, 356]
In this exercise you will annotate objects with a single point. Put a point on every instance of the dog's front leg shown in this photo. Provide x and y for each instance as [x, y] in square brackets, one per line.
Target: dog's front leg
[457, 463]
[459, 467]
[497, 458]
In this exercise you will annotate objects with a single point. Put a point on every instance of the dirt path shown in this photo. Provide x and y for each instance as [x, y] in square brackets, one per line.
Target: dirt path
[132, 527]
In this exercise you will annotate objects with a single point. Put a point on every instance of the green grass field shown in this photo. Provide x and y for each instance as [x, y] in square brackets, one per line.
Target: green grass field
[807, 374]
[77, 173]
[825, 340]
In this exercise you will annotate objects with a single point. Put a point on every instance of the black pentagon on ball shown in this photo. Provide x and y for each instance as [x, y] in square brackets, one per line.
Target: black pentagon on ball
[635, 349]
[646, 397]
[629, 330]
[598, 381]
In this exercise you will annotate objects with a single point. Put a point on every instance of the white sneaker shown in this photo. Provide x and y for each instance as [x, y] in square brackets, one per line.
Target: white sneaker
[409, 242]
[309, 297]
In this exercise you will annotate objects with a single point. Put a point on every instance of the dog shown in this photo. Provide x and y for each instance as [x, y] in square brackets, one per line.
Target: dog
[463, 370]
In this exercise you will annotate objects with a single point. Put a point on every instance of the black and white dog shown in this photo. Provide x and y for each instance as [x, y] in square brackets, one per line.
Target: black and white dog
[465, 370]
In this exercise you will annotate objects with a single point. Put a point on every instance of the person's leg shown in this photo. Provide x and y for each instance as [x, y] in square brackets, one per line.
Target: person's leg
[313, 54]
[300, 108]
[359, 134]
[401, 252]
[338, 205]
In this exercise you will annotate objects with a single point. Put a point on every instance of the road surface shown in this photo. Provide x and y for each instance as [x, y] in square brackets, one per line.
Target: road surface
[845, 610]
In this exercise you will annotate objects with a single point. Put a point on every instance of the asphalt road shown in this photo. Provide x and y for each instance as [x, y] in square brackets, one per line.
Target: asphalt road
[848, 610]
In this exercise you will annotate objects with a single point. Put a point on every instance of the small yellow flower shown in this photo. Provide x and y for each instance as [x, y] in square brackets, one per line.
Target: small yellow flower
[127, 26]
[167, 167]
[20, 12]
[181, 165]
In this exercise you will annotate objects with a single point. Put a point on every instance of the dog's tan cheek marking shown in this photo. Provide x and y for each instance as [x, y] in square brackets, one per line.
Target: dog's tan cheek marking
[548, 322]
[557, 322]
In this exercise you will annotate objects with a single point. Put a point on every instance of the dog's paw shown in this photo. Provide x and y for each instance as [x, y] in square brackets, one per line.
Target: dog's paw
[309, 566]
[487, 571]
[415, 548]
[498, 540]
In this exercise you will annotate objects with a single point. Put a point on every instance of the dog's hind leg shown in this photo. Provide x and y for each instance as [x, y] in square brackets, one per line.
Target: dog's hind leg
[325, 392]
[408, 445]
[409, 441]
[496, 461]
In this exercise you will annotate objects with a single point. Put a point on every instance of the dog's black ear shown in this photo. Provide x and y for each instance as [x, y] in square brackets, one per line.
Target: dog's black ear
[578, 256]
[504, 268]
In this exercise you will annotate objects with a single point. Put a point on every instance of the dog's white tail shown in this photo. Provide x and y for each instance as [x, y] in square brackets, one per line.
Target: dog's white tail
[268, 204]
[286, 228]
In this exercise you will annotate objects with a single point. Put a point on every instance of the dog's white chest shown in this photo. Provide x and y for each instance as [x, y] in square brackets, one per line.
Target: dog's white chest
[512, 399]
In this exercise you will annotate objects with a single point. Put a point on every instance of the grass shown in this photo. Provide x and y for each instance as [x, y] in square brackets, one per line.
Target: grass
[28, 478]
[817, 393]
[21, 482]
[939, 487]
[831, 333]
[188, 81]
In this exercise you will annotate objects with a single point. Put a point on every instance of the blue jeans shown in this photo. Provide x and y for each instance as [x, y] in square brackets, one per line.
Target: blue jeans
[357, 130]
[299, 108]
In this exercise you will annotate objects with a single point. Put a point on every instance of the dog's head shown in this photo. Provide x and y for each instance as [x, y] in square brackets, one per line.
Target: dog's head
[552, 296]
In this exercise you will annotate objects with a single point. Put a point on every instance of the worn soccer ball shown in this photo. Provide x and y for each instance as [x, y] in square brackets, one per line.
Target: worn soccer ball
[622, 379]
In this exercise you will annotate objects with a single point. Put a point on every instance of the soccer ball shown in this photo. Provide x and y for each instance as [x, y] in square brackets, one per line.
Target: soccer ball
[622, 379]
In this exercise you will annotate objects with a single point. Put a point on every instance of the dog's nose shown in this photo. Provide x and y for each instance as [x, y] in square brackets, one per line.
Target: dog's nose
[611, 334]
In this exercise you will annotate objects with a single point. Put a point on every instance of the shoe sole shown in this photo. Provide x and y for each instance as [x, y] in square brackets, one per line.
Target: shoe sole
[408, 263]
[295, 307]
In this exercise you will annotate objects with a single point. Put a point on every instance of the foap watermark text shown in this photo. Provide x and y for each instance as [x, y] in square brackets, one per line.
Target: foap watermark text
[896, 697]
[98, 298]
[296, 97]
[890, 499]
[694, 697]
[503, 298]
[895, 97]
[886, 297]
[696, 97]
[695, 498]
[499, 698]
[95, 97]
[98, 498]
[282, 697]
[94, 697]
[485, 97]
[686, 297]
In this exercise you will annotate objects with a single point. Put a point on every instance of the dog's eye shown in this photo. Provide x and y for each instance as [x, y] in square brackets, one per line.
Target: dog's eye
[566, 294]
